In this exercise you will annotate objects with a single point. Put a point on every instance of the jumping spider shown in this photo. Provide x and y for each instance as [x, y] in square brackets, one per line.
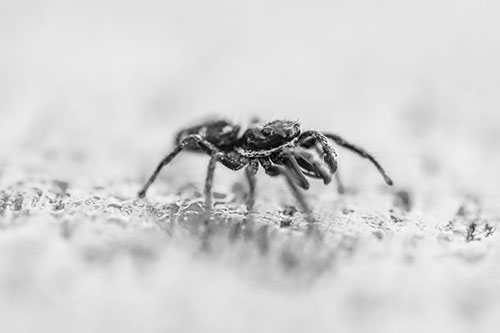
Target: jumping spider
[279, 146]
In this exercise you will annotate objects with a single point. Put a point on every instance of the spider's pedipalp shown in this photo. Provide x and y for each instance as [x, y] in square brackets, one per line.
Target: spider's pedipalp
[312, 164]
[361, 152]
[309, 138]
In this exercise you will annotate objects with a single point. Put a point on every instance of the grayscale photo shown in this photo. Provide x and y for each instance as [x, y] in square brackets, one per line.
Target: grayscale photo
[249, 166]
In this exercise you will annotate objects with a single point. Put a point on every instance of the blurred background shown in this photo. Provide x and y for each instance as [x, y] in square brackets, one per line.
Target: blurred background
[100, 87]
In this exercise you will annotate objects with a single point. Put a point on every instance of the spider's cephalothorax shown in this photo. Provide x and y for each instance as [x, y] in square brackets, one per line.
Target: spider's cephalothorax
[279, 146]
[273, 135]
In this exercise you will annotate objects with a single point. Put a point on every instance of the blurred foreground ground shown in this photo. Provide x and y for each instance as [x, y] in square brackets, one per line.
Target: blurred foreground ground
[92, 94]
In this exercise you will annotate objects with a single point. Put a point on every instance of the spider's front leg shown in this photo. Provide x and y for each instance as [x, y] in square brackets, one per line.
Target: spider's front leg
[274, 170]
[289, 160]
[361, 152]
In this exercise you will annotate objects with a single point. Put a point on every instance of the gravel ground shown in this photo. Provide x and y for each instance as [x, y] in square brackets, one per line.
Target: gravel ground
[91, 97]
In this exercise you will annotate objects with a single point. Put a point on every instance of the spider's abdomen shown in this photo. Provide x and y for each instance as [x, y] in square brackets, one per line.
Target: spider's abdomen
[271, 135]
[221, 133]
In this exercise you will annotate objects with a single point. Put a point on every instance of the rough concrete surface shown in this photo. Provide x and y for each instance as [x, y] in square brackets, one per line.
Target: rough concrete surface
[91, 95]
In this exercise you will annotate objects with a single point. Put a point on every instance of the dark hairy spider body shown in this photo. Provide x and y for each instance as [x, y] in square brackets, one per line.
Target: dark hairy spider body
[279, 146]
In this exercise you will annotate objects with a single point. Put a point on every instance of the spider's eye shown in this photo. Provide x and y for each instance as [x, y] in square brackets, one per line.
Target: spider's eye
[267, 131]
[226, 129]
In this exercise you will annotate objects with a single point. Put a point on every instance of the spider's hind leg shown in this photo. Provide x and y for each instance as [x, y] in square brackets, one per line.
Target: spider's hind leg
[250, 172]
[164, 162]
[209, 180]
[189, 140]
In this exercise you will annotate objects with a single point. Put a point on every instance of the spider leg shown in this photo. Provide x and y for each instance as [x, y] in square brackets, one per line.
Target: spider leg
[309, 138]
[290, 162]
[165, 161]
[361, 152]
[210, 179]
[205, 145]
[338, 179]
[340, 184]
[312, 164]
[251, 171]
[274, 170]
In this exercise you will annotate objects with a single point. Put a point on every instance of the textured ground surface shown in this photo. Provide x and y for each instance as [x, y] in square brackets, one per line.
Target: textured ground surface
[92, 95]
